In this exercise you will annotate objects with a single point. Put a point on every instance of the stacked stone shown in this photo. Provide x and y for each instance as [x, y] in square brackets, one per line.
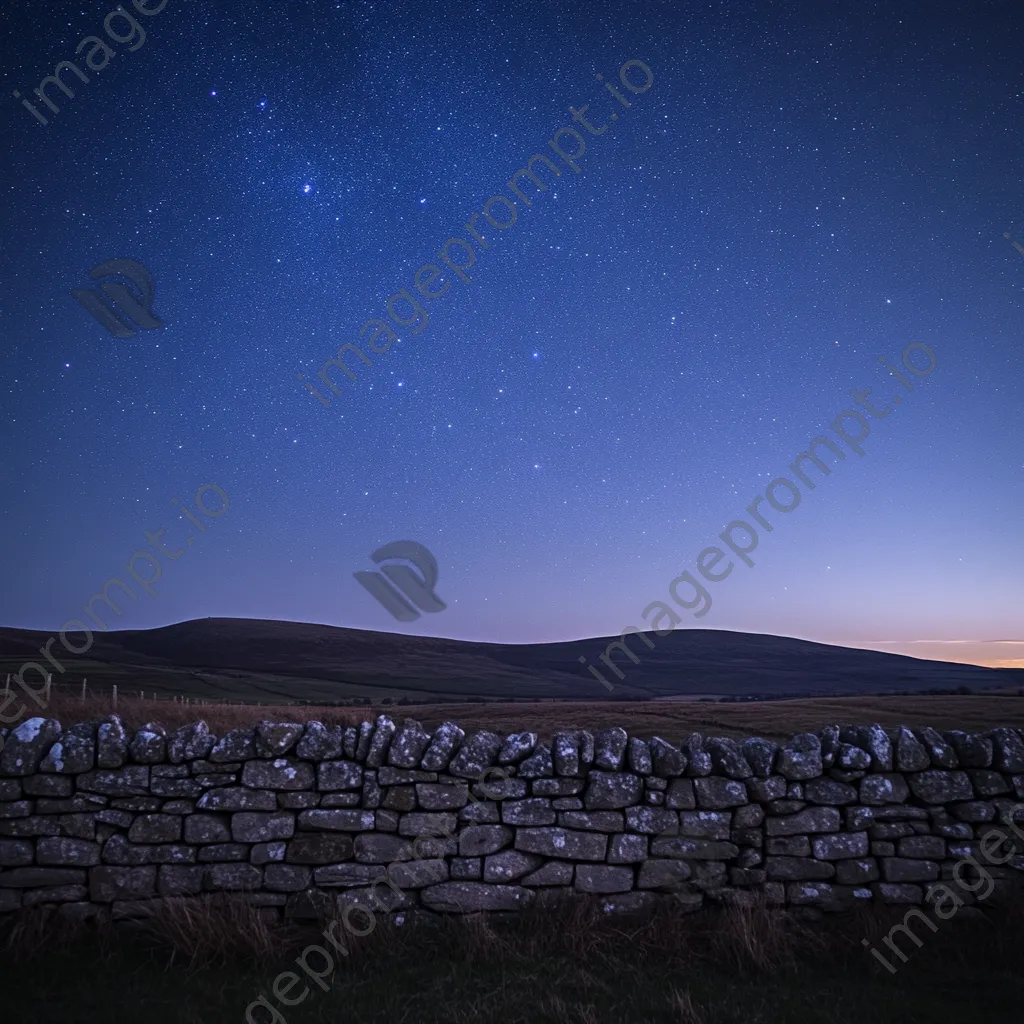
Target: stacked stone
[308, 818]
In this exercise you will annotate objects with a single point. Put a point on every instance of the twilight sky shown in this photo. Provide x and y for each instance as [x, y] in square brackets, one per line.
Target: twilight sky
[803, 188]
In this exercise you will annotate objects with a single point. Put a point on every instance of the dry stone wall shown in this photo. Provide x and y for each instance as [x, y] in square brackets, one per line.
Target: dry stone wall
[307, 819]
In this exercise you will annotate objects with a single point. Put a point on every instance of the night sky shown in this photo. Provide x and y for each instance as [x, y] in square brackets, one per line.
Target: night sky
[802, 189]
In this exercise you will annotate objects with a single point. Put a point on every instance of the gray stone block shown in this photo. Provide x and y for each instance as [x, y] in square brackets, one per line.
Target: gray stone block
[565, 752]
[532, 811]
[380, 742]
[517, 747]
[681, 795]
[370, 848]
[694, 849]
[662, 874]
[409, 745]
[841, 846]
[436, 797]
[286, 877]
[232, 877]
[55, 851]
[789, 869]
[15, 853]
[236, 798]
[469, 897]
[319, 820]
[478, 752]
[320, 742]
[789, 846]
[260, 827]
[607, 791]
[319, 848]
[884, 788]
[627, 849]
[941, 787]
[466, 869]
[592, 821]
[901, 869]
[603, 878]
[653, 820]
[667, 761]
[427, 823]
[107, 884]
[155, 828]
[813, 819]
[510, 865]
[705, 824]
[714, 792]
[554, 872]
[275, 739]
[924, 847]
[562, 844]
[610, 749]
[800, 757]
[332, 776]
[445, 742]
[859, 871]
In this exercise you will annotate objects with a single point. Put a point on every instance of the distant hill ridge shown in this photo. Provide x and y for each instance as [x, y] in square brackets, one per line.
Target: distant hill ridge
[268, 659]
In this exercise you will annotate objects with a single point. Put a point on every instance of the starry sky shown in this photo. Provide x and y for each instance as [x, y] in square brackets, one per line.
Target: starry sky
[802, 189]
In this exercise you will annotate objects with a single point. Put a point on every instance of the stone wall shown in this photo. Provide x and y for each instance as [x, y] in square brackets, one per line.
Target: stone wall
[307, 819]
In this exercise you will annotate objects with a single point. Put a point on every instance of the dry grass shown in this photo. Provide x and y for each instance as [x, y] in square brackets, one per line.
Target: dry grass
[220, 717]
[670, 719]
[35, 931]
[567, 964]
[215, 929]
[225, 928]
[689, 1013]
[755, 939]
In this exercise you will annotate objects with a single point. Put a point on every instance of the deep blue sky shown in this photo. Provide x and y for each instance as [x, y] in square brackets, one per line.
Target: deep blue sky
[804, 188]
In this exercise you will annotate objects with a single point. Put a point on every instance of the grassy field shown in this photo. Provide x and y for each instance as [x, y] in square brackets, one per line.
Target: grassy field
[550, 967]
[669, 719]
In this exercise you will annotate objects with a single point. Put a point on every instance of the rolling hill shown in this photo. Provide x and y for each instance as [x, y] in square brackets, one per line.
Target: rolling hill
[280, 662]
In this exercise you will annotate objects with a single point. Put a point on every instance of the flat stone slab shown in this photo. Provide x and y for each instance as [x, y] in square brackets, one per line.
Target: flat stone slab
[467, 897]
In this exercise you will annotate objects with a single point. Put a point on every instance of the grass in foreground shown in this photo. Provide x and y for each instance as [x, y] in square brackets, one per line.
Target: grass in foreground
[205, 963]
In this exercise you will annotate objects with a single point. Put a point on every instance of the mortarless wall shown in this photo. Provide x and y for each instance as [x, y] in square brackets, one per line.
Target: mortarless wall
[309, 819]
